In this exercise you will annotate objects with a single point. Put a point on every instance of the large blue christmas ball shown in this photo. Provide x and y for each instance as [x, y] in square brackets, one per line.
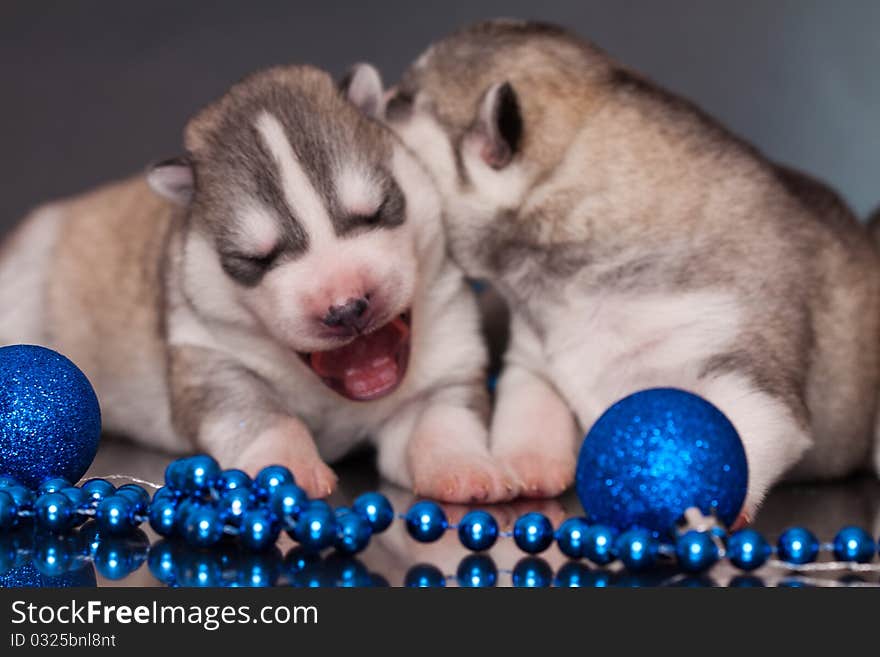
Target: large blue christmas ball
[50, 421]
[656, 453]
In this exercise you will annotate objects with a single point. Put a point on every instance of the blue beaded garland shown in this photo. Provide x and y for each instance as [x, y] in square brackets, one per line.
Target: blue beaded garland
[637, 549]
[747, 549]
[54, 512]
[163, 514]
[477, 531]
[854, 544]
[571, 537]
[139, 497]
[424, 576]
[425, 521]
[233, 504]
[315, 528]
[532, 572]
[232, 479]
[533, 532]
[477, 571]
[114, 515]
[203, 527]
[352, 533]
[376, 508]
[696, 551]
[199, 473]
[797, 546]
[287, 501]
[598, 544]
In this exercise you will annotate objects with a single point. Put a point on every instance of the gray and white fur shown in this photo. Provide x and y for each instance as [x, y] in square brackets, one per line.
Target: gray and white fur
[638, 244]
[294, 224]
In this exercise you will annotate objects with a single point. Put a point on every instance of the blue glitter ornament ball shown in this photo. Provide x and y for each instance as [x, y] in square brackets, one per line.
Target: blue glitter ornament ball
[50, 421]
[656, 453]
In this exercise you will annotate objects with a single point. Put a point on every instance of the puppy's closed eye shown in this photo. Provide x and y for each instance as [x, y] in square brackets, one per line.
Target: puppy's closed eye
[246, 268]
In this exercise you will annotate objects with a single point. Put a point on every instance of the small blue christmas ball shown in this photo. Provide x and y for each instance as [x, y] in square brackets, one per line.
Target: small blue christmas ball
[259, 530]
[287, 501]
[477, 531]
[696, 551]
[315, 528]
[53, 485]
[748, 550]
[637, 549]
[197, 474]
[54, 512]
[203, 527]
[163, 516]
[598, 544]
[376, 508]
[424, 576]
[139, 497]
[115, 515]
[425, 521]
[352, 533]
[232, 479]
[656, 453]
[532, 573]
[854, 544]
[477, 571]
[533, 532]
[570, 537]
[797, 546]
[50, 420]
[271, 477]
[233, 504]
[96, 490]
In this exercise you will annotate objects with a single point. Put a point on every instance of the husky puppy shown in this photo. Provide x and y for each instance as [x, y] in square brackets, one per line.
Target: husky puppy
[638, 244]
[283, 298]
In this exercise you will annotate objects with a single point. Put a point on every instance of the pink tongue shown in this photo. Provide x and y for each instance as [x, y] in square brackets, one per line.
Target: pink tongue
[368, 366]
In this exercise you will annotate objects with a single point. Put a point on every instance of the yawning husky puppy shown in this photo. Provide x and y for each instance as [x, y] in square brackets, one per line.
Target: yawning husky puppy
[640, 244]
[285, 297]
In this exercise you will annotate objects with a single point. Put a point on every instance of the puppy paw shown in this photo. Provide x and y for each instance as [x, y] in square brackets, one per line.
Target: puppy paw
[462, 478]
[541, 474]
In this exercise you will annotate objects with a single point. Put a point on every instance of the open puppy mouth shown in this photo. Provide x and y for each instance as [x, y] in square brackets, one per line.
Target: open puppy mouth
[369, 367]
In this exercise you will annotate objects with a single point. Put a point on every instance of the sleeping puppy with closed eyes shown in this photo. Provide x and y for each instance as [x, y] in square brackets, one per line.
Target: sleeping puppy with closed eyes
[638, 244]
[284, 297]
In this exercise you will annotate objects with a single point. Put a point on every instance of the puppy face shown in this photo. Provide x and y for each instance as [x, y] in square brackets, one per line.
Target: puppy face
[306, 222]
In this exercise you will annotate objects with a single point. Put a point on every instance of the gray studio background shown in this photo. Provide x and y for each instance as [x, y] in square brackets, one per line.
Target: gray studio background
[92, 91]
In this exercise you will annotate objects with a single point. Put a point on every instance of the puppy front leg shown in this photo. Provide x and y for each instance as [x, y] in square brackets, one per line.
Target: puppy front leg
[534, 432]
[439, 448]
[231, 413]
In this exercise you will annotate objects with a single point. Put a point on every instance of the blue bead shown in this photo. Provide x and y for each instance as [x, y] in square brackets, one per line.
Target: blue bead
[376, 508]
[199, 473]
[854, 544]
[696, 551]
[315, 528]
[424, 576]
[163, 514]
[533, 533]
[797, 546]
[184, 506]
[233, 504]
[599, 544]
[531, 573]
[232, 479]
[273, 476]
[114, 515]
[6, 481]
[636, 548]
[53, 485]
[8, 511]
[747, 549]
[54, 512]
[477, 571]
[259, 530]
[75, 495]
[50, 420]
[573, 574]
[287, 501]
[24, 497]
[139, 497]
[477, 531]
[571, 537]
[97, 490]
[655, 453]
[175, 474]
[425, 521]
[352, 533]
[203, 527]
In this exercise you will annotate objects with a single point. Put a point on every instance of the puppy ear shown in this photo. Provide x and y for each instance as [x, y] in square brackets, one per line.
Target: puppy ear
[173, 179]
[363, 87]
[499, 125]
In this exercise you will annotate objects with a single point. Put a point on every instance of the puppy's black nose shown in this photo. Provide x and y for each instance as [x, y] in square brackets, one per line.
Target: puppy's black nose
[348, 314]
